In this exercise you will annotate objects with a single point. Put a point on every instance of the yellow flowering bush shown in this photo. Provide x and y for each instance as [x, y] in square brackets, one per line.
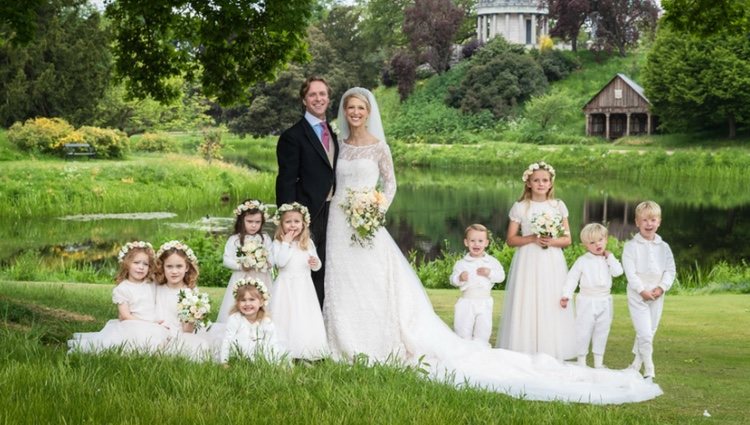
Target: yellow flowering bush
[153, 142]
[108, 143]
[41, 135]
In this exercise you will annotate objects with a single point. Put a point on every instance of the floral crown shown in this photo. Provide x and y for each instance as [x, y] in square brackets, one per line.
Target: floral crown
[541, 165]
[294, 206]
[130, 245]
[178, 246]
[260, 286]
[252, 204]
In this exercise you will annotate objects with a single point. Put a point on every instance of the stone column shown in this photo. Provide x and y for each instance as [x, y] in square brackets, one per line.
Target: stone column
[479, 28]
[648, 123]
[534, 41]
[493, 26]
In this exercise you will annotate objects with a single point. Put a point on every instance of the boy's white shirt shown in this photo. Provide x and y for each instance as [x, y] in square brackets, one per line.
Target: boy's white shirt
[644, 258]
[594, 273]
[470, 265]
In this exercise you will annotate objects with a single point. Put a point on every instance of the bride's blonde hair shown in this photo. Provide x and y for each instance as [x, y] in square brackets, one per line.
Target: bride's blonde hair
[360, 96]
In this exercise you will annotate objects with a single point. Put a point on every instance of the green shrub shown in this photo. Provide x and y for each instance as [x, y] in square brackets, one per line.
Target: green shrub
[40, 135]
[153, 142]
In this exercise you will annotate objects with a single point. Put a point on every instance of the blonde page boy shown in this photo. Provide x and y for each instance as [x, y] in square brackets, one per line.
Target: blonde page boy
[475, 274]
[650, 270]
[594, 270]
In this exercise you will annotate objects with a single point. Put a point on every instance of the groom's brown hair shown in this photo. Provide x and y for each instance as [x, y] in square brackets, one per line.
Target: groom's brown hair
[306, 86]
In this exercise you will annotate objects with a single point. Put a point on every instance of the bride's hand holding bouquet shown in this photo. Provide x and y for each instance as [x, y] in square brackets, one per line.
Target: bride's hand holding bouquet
[365, 213]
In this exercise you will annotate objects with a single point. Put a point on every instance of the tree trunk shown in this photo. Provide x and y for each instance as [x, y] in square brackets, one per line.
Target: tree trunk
[574, 43]
[732, 126]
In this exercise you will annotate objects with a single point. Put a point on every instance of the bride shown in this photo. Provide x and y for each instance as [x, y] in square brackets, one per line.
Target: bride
[376, 306]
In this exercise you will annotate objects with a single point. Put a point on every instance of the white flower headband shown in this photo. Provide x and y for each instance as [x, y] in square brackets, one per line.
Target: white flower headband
[541, 165]
[260, 286]
[294, 206]
[179, 246]
[130, 245]
[252, 204]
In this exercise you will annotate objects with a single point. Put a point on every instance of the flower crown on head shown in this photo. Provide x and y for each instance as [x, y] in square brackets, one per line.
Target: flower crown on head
[130, 245]
[260, 286]
[541, 165]
[294, 206]
[179, 246]
[252, 204]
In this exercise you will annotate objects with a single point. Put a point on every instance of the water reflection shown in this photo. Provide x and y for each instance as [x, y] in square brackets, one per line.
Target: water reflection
[701, 222]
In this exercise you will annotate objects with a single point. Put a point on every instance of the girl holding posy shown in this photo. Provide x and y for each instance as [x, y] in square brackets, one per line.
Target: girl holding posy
[532, 319]
[247, 251]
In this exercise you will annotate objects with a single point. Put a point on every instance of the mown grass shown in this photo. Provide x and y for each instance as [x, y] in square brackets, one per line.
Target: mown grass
[700, 356]
[143, 183]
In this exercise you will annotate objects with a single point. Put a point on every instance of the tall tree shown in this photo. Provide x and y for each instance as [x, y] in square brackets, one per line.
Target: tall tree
[699, 82]
[63, 73]
[233, 43]
[708, 16]
[342, 28]
[430, 26]
[569, 16]
[618, 23]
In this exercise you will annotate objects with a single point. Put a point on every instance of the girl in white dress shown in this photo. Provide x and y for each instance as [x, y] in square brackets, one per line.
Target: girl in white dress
[249, 330]
[177, 270]
[248, 229]
[294, 303]
[376, 306]
[137, 327]
[532, 320]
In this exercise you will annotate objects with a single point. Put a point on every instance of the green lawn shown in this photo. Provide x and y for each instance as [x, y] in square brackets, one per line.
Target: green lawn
[700, 353]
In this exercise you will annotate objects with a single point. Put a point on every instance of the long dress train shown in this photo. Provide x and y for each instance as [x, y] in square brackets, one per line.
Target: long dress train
[376, 306]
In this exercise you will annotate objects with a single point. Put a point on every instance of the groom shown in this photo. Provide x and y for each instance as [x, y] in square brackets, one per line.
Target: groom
[306, 153]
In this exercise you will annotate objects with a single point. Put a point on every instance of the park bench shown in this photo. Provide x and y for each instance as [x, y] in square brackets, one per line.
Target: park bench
[78, 149]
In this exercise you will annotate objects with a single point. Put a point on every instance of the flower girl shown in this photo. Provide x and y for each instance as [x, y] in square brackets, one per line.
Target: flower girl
[179, 305]
[294, 304]
[532, 319]
[247, 251]
[137, 327]
[249, 330]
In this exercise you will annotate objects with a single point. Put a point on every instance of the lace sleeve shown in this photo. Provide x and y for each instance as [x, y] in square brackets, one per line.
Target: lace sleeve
[387, 173]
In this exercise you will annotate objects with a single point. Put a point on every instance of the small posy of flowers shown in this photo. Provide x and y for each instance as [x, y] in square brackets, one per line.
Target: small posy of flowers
[294, 206]
[178, 246]
[193, 306]
[547, 224]
[130, 245]
[541, 165]
[253, 255]
[365, 213]
[259, 285]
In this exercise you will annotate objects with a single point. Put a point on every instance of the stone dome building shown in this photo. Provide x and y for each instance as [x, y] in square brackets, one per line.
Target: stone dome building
[518, 21]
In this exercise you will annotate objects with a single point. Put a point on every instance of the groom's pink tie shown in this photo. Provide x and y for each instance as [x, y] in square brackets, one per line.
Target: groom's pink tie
[325, 136]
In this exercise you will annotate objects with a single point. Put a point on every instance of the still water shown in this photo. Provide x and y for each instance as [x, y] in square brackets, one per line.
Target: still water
[704, 222]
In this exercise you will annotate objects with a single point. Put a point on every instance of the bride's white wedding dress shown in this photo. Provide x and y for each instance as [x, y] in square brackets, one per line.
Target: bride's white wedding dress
[375, 305]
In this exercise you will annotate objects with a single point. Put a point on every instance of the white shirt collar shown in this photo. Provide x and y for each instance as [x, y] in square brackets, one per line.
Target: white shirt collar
[312, 119]
[641, 239]
[468, 257]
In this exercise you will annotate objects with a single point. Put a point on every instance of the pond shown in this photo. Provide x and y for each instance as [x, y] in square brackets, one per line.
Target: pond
[703, 221]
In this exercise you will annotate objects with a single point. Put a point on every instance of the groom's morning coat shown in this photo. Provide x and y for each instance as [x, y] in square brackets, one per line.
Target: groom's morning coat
[305, 173]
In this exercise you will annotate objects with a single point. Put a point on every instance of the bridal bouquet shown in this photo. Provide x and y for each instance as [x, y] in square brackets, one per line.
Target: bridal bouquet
[253, 255]
[548, 225]
[193, 307]
[365, 213]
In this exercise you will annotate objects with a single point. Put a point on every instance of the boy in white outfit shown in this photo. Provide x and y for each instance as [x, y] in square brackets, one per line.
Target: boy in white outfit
[475, 274]
[594, 270]
[650, 269]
